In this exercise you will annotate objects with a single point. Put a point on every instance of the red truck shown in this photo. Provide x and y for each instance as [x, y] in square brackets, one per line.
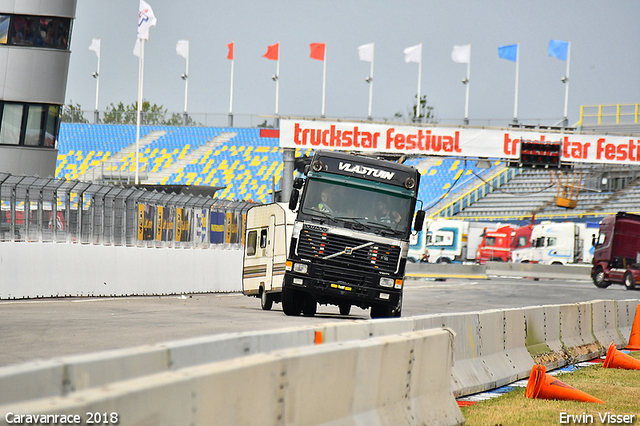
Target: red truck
[616, 257]
[497, 245]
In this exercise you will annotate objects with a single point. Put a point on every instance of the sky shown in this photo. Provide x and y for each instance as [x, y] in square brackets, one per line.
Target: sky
[604, 58]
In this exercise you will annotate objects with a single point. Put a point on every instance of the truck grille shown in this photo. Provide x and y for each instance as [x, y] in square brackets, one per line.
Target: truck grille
[377, 257]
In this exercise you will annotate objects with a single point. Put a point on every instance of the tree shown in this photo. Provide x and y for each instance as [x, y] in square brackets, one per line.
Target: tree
[72, 114]
[426, 112]
[151, 114]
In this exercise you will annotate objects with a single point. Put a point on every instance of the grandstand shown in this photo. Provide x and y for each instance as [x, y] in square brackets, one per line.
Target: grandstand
[248, 167]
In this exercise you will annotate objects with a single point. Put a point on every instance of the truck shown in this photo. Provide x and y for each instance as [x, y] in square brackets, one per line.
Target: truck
[558, 243]
[499, 245]
[616, 257]
[350, 237]
[268, 233]
[447, 241]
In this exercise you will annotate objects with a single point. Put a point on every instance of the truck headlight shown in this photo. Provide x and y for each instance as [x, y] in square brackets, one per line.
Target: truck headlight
[386, 282]
[300, 268]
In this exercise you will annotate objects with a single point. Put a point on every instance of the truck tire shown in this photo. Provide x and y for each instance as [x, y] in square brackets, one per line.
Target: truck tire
[381, 311]
[444, 260]
[309, 306]
[345, 308]
[291, 305]
[629, 281]
[598, 278]
[266, 300]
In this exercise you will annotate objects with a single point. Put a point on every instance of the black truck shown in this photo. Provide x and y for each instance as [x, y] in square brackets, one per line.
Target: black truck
[350, 239]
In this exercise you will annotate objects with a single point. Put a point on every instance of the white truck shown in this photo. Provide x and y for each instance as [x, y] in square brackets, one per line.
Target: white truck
[559, 243]
[268, 235]
[447, 241]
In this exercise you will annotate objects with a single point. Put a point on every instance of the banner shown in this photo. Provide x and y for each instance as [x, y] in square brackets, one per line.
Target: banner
[452, 141]
[217, 228]
[200, 226]
[231, 229]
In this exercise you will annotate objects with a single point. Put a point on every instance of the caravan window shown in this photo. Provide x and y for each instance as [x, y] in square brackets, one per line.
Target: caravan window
[263, 238]
[251, 243]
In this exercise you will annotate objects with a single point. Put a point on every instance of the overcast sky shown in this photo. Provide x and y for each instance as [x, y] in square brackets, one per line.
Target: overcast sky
[604, 35]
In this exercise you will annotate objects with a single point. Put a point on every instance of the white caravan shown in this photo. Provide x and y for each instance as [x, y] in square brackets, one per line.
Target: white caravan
[268, 235]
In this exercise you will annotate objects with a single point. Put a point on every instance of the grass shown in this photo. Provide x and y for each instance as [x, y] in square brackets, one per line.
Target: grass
[620, 389]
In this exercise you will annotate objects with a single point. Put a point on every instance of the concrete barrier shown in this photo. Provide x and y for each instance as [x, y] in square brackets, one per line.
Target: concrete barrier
[626, 311]
[531, 270]
[446, 270]
[114, 271]
[543, 336]
[576, 333]
[604, 319]
[324, 384]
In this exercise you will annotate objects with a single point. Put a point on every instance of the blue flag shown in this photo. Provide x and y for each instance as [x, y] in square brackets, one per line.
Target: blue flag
[509, 53]
[558, 49]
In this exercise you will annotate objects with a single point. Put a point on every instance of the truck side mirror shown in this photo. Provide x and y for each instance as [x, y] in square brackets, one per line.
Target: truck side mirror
[297, 183]
[419, 222]
[293, 199]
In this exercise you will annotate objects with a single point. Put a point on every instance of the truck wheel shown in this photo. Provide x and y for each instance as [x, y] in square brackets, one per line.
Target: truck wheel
[381, 311]
[629, 281]
[397, 312]
[345, 308]
[309, 306]
[266, 301]
[290, 302]
[598, 278]
[444, 260]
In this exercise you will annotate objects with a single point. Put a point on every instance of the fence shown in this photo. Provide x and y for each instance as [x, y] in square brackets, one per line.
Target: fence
[34, 209]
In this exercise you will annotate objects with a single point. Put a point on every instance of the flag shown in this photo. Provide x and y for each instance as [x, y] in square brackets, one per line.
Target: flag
[558, 49]
[146, 20]
[509, 52]
[317, 51]
[182, 48]
[95, 46]
[272, 52]
[461, 54]
[365, 52]
[230, 54]
[136, 48]
[413, 53]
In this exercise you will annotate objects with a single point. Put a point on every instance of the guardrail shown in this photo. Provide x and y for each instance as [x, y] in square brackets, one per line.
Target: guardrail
[497, 269]
[218, 377]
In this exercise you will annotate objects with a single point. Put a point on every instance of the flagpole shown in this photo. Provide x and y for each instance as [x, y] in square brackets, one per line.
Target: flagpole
[97, 75]
[185, 120]
[139, 112]
[231, 91]
[418, 112]
[324, 77]
[373, 51]
[467, 83]
[515, 106]
[566, 88]
[278, 84]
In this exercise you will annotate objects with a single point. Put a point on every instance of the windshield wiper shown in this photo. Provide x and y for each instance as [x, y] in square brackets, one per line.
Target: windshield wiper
[313, 212]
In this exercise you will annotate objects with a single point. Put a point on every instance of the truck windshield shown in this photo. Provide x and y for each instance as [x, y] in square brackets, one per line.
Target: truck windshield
[365, 205]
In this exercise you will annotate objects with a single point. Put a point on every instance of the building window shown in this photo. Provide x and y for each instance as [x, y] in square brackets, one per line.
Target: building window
[29, 124]
[36, 31]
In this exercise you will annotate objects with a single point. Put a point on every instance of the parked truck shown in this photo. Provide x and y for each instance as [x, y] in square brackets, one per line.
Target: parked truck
[558, 243]
[616, 257]
[500, 245]
[268, 234]
[350, 238]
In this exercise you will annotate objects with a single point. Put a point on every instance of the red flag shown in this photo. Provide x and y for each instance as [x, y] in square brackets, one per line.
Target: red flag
[272, 52]
[230, 55]
[317, 51]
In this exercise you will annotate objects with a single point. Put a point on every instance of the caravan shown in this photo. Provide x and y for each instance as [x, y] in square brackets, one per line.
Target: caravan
[268, 234]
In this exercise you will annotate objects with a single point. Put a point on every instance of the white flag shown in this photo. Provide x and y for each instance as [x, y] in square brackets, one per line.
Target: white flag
[461, 54]
[95, 46]
[146, 20]
[413, 53]
[136, 48]
[365, 52]
[182, 48]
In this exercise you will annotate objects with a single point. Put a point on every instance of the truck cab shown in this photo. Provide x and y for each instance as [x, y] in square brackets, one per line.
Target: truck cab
[616, 257]
[350, 239]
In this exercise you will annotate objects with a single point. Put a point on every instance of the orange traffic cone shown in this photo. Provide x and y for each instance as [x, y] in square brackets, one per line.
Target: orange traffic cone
[617, 359]
[541, 386]
[634, 339]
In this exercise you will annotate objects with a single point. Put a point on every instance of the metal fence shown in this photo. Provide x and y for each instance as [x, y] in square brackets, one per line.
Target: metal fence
[34, 209]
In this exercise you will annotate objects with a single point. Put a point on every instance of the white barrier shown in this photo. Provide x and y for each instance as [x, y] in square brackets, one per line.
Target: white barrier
[382, 381]
[543, 336]
[604, 322]
[95, 270]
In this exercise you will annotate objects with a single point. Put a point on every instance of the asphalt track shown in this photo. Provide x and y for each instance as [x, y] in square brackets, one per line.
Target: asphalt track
[49, 328]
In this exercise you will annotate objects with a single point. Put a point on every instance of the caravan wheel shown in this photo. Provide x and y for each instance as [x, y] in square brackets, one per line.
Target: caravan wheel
[266, 300]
